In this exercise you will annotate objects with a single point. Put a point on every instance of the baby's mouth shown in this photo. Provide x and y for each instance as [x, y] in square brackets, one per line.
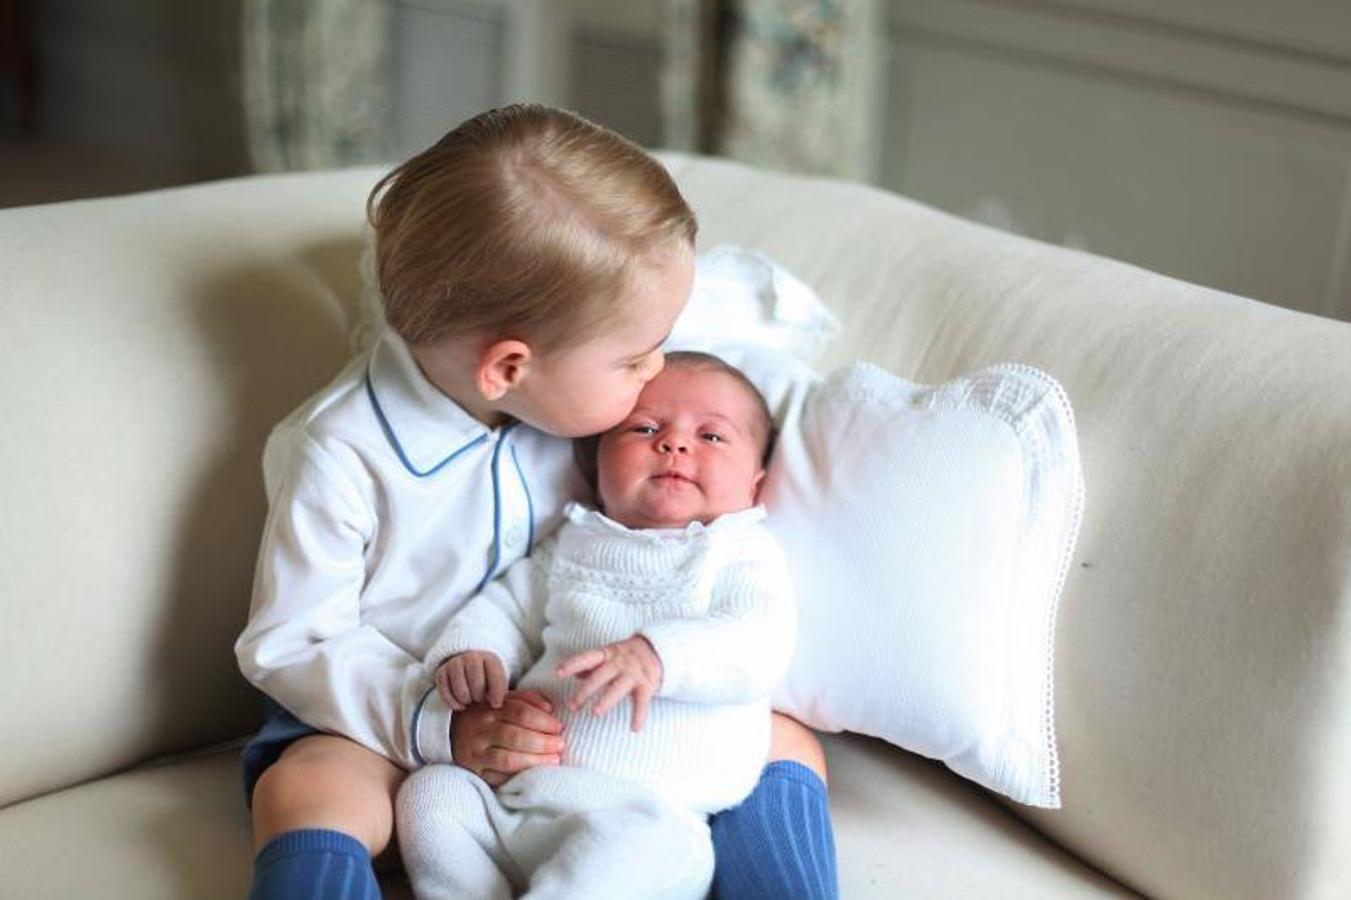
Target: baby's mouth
[673, 476]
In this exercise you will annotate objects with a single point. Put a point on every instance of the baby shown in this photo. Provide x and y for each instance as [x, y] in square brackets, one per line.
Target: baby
[669, 612]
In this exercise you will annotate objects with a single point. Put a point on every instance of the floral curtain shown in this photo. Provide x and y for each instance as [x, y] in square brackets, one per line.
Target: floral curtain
[789, 84]
[314, 82]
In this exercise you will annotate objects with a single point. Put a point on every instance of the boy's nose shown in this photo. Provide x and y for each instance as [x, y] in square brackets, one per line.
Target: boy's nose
[666, 445]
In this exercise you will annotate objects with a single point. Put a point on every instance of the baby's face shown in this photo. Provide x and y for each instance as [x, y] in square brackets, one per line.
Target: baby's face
[689, 451]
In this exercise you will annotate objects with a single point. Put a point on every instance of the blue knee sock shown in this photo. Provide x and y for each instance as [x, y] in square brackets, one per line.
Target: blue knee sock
[314, 863]
[779, 841]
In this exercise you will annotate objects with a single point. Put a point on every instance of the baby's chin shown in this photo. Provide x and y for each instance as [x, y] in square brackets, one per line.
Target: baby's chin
[666, 514]
[668, 511]
[640, 518]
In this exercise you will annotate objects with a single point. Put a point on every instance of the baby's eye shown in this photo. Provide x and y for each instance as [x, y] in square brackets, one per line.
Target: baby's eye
[644, 429]
[713, 437]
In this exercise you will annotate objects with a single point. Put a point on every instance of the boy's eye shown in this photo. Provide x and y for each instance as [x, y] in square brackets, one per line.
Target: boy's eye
[713, 437]
[644, 429]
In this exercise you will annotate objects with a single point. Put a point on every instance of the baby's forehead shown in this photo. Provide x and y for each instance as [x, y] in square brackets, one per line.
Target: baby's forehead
[703, 387]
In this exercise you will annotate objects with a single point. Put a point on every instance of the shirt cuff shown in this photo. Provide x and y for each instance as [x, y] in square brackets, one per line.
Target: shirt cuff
[431, 730]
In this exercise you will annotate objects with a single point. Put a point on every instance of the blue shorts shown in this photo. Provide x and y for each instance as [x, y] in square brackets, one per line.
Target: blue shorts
[280, 730]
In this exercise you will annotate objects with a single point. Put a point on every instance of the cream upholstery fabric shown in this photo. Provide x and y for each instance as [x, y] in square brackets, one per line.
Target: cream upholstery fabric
[172, 831]
[1204, 653]
[179, 830]
[149, 343]
[907, 828]
[1204, 650]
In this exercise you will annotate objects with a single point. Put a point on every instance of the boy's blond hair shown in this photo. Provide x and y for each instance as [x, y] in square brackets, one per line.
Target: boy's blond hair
[523, 222]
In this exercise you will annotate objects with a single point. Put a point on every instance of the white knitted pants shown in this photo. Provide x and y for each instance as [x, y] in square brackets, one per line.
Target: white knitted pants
[550, 832]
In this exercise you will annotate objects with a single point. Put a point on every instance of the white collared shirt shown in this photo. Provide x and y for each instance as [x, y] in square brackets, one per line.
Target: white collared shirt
[389, 506]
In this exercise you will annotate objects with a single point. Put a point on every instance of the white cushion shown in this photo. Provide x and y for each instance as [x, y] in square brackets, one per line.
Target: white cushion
[929, 529]
[747, 297]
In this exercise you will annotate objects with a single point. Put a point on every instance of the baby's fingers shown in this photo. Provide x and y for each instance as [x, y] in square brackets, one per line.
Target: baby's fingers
[474, 674]
[616, 691]
[597, 679]
[459, 688]
[443, 689]
[640, 701]
[580, 662]
[496, 676]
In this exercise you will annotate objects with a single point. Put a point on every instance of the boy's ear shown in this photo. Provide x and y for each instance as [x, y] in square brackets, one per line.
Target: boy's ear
[501, 366]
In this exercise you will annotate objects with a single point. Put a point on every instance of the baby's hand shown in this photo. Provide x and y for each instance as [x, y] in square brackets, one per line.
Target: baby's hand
[475, 676]
[630, 667]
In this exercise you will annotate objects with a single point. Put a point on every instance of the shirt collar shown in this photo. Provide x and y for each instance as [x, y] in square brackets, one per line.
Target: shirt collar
[596, 520]
[425, 428]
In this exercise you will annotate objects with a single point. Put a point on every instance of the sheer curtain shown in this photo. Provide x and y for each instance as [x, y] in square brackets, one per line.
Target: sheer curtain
[789, 84]
[315, 83]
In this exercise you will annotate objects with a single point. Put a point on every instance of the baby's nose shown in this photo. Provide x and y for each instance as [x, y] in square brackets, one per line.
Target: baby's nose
[669, 445]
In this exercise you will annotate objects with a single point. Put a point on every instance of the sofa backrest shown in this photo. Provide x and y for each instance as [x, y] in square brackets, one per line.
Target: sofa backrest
[147, 345]
[1204, 642]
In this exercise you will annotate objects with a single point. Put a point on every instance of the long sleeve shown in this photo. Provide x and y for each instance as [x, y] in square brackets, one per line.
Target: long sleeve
[305, 644]
[740, 650]
[506, 618]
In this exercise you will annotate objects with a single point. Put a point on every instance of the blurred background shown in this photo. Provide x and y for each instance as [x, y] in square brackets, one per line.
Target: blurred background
[1207, 139]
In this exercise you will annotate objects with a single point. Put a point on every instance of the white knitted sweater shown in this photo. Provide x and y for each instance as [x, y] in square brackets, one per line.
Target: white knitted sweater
[716, 603]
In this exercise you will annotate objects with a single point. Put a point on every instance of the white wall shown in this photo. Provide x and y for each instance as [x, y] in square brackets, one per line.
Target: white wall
[1208, 140]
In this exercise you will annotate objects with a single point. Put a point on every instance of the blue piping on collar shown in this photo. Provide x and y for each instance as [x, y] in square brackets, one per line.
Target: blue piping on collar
[529, 504]
[394, 441]
[497, 507]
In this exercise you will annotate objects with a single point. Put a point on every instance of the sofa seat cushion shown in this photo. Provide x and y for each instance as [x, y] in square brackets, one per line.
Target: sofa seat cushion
[162, 832]
[178, 829]
[904, 827]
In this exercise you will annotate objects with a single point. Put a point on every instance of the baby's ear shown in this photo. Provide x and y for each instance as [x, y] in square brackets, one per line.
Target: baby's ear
[501, 366]
[757, 485]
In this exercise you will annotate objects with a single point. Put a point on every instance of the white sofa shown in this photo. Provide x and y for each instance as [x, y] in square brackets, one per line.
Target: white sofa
[148, 342]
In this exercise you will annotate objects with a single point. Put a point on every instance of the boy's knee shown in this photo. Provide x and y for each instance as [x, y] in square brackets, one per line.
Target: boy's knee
[309, 789]
[791, 740]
